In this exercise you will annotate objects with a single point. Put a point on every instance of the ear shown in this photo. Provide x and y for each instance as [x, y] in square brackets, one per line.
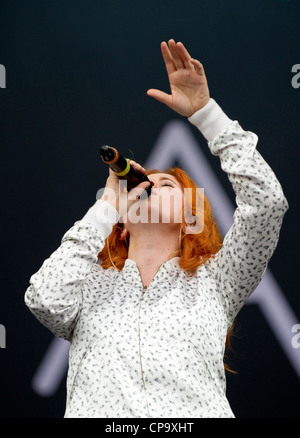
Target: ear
[125, 234]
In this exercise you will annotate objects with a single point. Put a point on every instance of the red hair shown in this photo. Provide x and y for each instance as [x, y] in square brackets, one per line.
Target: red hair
[195, 249]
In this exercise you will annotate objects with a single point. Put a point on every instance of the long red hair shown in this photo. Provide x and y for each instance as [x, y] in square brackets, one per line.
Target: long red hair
[195, 249]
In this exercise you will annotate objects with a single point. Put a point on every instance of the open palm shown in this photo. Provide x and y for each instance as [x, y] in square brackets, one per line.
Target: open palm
[189, 89]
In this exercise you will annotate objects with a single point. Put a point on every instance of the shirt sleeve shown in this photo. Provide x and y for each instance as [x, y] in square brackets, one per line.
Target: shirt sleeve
[249, 244]
[55, 292]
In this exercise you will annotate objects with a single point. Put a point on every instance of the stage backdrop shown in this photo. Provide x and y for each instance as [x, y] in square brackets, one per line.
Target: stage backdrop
[74, 76]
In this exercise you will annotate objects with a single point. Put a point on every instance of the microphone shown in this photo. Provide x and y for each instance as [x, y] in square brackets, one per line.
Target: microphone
[122, 168]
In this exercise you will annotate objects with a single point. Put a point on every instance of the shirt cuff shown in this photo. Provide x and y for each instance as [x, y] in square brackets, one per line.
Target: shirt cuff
[103, 216]
[210, 120]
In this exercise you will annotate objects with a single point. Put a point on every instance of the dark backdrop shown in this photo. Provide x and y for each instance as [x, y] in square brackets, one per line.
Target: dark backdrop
[76, 78]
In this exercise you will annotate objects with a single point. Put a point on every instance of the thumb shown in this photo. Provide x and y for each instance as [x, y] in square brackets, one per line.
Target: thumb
[161, 96]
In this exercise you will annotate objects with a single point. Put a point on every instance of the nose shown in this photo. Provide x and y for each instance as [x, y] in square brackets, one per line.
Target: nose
[153, 187]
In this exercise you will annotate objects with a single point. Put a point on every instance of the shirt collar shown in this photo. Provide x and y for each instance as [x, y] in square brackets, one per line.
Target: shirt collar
[166, 272]
[169, 265]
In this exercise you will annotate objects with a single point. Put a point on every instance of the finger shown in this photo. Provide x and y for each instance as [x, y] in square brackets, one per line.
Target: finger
[161, 96]
[184, 55]
[137, 166]
[169, 62]
[198, 66]
[112, 175]
[178, 61]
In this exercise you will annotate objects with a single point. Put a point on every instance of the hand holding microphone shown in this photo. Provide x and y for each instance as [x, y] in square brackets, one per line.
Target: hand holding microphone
[133, 173]
[125, 169]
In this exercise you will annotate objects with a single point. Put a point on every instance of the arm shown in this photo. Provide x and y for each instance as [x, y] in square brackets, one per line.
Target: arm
[261, 205]
[55, 292]
[252, 239]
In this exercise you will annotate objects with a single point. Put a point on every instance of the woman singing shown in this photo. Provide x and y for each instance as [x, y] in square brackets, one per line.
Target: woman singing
[148, 305]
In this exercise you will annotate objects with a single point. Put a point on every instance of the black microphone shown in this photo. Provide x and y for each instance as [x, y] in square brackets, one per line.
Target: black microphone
[122, 168]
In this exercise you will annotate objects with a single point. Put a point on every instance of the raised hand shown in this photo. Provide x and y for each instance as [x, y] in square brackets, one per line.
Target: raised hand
[189, 89]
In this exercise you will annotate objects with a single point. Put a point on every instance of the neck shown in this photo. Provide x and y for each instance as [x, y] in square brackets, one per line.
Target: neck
[152, 248]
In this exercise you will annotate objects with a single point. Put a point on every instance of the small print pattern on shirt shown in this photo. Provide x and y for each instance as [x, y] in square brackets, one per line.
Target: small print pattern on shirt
[159, 352]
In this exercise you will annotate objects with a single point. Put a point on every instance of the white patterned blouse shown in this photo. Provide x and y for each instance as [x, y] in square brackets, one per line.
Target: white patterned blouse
[159, 352]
